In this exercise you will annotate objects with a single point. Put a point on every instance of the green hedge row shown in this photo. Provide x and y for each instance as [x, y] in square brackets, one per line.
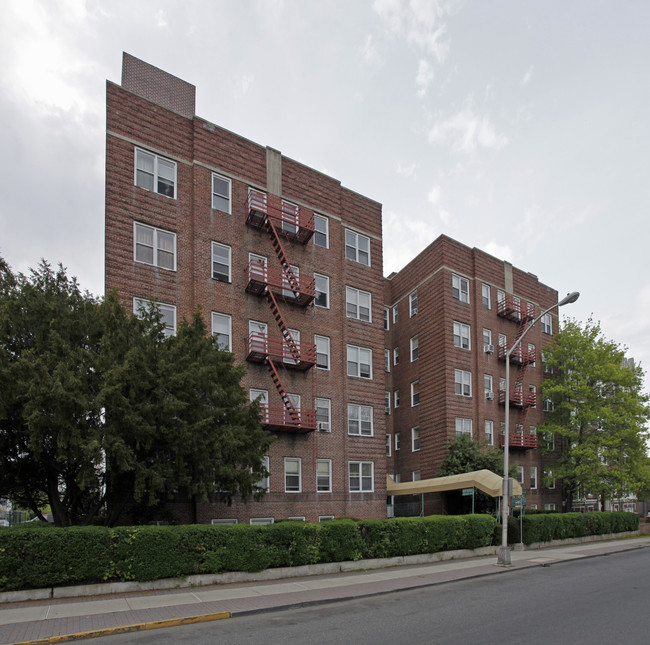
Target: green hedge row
[560, 526]
[49, 556]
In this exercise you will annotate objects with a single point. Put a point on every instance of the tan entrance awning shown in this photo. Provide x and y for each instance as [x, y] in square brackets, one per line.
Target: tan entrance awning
[484, 480]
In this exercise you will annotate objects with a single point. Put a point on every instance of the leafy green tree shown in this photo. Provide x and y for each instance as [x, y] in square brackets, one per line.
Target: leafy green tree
[599, 415]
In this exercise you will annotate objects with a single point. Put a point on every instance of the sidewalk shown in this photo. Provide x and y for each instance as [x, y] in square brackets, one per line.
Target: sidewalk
[66, 619]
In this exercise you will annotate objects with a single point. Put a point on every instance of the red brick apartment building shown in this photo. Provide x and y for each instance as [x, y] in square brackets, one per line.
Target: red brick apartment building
[286, 265]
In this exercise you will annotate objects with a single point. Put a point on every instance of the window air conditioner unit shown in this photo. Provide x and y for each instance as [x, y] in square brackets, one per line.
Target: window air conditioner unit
[324, 427]
[488, 349]
[489, 395]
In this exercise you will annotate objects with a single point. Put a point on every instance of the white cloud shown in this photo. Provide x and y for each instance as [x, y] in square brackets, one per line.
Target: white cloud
[527, 76]
[405, 171]
[391, 12]
[434, 195]
[424, 77]
[500, 251]
[368, 50]
[161, 18]
[466, 132]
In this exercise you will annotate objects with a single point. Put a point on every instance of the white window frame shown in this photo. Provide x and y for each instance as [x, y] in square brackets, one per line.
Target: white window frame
[463, 426]
[460, 288]
[357, 300]
[488, 385]
[326, 232]
[462, 336]
[363, 416]
[155, 174]
[489, 432]
[353, 250]
[323, 288]
[386, 360]
[415, 439]
[463, 383]
[416, 475]
[387, 401]
[487, 336]
[219, 316]
[485, 296]
[263, 396]
[222, 202]
[220, 276]
[533, 478]
[265, 482]
[322, 344]
[320, 475]
[396, 399]
[546, 322]
[520, 475]
[292, 461]
[415, 393]
[141, 305]
[156, 250]
[389, 445]
[396, 356]
[355, 361]
[324, 404]
[415, 348]
[397, 442]
[395, 314]
[364, 472]
[261, 521]
[413, 303]
[386, 318]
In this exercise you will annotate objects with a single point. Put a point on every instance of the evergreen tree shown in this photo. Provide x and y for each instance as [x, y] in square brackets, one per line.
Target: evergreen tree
[599, 414]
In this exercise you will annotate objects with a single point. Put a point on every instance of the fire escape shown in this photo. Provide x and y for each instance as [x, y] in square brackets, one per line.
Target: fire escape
[512, 309]
[281, 220]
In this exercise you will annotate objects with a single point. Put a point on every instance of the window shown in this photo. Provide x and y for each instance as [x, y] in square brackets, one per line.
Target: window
[289, 218]
[322, 352]
[387, 360]
[360, 420]
[292, 475]
[520, 474]
[503, 341]
[396, 356]
[155, 173]
[547, 405]
[501, 298]
[460, 288]
[259, 521]
[167, 313]
[325, 518]
[549, 440]
[545, 365]
[291, 347]
[291, 281]
[359, 362]
[415, 476]
[220, 193]
[549, 507]
[502, 385]
[489, 432]
[221, 262]
[532, 396]
[550, 479]
[463, 383]
[487, 336]
[413, 303]
[357, 247]
[387, 402]
[361, 476]
[461, 335]
[324, 414]
[389, 444]
[531, 354]
[415, 439]
[463, 426]
[415, 348]
[358, 304]
[222, 329]
[485, 296]
[324, 475]
[547, 324]
[415, 393]
[386, 319]
[397, 441]
[488, 386]
[322, 286]
[395, 314]
[533, 477]
[396, 399]
[321, 231]
[154, 246]
[262, 397]
[264, 483]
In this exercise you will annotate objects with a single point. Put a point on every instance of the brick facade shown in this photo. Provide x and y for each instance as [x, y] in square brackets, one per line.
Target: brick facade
[151, 115]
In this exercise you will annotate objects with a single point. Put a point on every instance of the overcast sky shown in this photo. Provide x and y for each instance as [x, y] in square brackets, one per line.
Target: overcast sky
[520, 127]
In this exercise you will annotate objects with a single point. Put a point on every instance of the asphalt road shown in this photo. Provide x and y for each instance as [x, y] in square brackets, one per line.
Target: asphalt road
[595, 600]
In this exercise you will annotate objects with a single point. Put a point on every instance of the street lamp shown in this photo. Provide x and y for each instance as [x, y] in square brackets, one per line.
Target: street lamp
[503, 555]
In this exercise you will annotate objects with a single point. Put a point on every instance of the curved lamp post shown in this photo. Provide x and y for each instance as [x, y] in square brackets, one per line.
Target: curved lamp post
[503, 555]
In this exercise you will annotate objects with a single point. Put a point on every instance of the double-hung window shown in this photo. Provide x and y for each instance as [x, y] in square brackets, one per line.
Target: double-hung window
[415, 393]
[167, 314]
[463, 426]
[221, 187]
[485, 296]
[463, 383]
[361, 476]
[292, 475]
[321, 231]
[221, 262]
[154, 246]
[489, 433]
[413, 303]
[415, 439]
[547, 324]
[415, 349]
[324, 414]
[359, 361]
[387, 360]
[155, 173]
[460, 288]
[322, 352]
[322, 286]
[324, 475]
[222, 329]
[360, 420]
[387, 402]
[386, 319]
[461, 335]
[358, 304]
[357, 247]
[533, 477]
